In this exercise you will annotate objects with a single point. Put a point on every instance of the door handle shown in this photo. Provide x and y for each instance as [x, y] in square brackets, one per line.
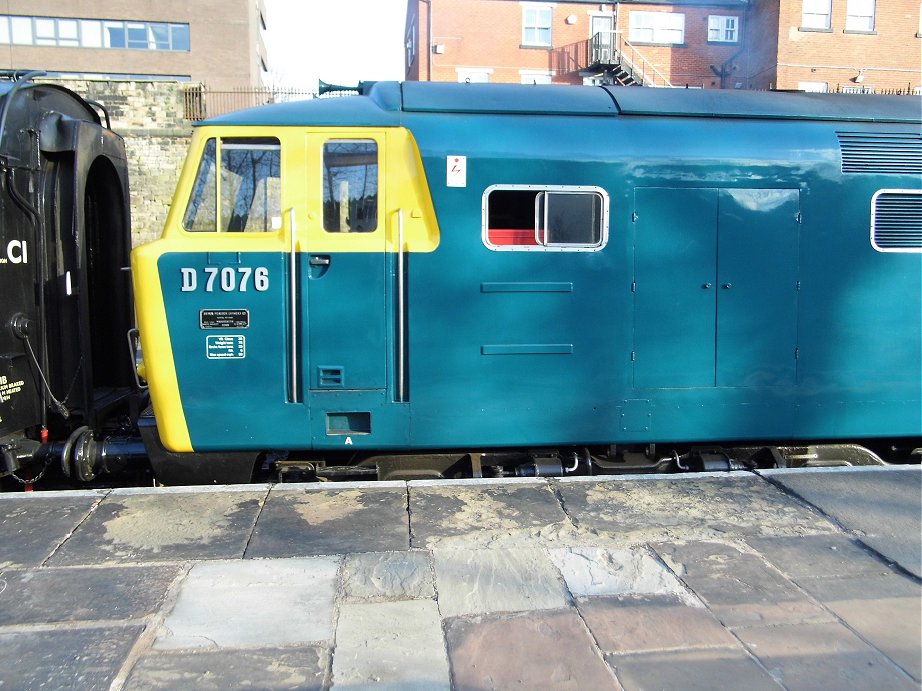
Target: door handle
[319, 261]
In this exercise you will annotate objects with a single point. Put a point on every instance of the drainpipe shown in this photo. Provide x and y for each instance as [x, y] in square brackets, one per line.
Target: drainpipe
[726, 68]
[428, 39]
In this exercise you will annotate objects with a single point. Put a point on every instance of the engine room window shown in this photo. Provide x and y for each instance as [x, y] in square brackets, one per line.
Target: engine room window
[350, 186]
[532, 217]
[249, 187]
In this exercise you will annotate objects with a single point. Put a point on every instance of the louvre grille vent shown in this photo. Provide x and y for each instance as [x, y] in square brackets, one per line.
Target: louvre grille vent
[896, 221]
[881, 153]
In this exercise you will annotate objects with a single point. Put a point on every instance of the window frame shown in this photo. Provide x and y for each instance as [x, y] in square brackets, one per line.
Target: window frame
[851, 14]
[546, 190]
[813, 5]
[535, 26]
[472, 75]
[659, 27]
[719, 23]
[92, 33]
[216, 175]
[536, 77]
[813, 87]
[377, 185]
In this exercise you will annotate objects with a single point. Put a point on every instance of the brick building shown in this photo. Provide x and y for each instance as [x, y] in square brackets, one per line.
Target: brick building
[216, 42]
[826, 45]
[746, 44]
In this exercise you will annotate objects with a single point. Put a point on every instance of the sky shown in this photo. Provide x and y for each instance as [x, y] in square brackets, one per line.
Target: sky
[338, 42]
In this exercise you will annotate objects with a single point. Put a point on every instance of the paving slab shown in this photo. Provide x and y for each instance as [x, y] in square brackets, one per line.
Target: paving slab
[594, 571]
[391, 645]
[882, 506]
[822, 656]
[644, 623]
[77, 658]
[175, 524]
[691, 670]
[380, 576]
[468, 514]
[41, 596]
[497, 580]
[34, 524]
[885, 610]
[739, 588]
[552, 650]
[306, 520]
[218, 670]
[819, 556]
[238, 604]
[658, 508]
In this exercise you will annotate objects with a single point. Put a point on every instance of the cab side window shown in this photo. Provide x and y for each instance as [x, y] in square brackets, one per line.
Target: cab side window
[350, 186]
[545, 218]
[246, 196]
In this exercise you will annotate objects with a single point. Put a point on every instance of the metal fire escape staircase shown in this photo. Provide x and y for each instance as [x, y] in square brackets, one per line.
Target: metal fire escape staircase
[611, 59]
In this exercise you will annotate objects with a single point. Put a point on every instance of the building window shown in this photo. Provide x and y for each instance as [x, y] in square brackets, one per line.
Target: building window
[536, 76]
[536, 25]
[816, 14]
[860, 15]
[657, 27]
[473, 75]
[722, 29]
[545, 217]
[813, 87]
[350, 186]
[64, 32]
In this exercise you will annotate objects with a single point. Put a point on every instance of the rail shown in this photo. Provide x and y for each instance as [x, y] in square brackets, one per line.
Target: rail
[200, 102]
[611, 48]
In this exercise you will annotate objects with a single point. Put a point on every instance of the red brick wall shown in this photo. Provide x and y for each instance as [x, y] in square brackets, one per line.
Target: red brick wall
[488, 34]
[773, 51]
[891, 57]
[689, 64]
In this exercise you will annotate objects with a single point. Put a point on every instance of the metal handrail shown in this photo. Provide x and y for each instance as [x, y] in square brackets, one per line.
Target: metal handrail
[611, 44]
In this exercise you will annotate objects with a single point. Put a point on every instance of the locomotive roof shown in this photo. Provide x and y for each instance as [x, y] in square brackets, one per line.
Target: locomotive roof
[386, 103]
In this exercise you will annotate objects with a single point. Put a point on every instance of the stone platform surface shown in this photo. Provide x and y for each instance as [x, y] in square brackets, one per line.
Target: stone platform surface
[806, 579]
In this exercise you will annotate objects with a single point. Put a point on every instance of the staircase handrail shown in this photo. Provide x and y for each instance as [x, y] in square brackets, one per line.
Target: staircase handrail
[619, 46]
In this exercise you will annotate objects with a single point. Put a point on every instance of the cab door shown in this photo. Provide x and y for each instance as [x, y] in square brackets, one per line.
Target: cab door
[347, 288]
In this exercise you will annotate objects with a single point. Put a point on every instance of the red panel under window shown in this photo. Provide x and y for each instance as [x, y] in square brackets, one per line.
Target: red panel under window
[511, 236]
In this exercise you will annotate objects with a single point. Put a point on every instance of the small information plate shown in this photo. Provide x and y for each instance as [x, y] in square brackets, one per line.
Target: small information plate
[456, 171]
[225, 319]
[226, 347]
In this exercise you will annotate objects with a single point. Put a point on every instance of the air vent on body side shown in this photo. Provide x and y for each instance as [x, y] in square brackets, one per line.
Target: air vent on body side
[898, 153]
[896, 221]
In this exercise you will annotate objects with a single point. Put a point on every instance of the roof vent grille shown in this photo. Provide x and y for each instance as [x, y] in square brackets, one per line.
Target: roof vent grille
[897, 153]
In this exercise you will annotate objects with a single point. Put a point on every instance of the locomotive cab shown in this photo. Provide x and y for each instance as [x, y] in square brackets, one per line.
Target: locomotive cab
[271, 311]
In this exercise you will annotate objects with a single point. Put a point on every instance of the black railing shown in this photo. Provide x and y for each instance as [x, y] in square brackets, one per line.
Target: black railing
[200, 102]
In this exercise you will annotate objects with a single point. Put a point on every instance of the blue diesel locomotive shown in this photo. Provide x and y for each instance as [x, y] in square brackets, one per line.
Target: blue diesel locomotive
[441, 279]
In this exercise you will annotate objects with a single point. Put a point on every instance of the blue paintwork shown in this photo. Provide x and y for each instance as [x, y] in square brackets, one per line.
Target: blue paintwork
[817, 335]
